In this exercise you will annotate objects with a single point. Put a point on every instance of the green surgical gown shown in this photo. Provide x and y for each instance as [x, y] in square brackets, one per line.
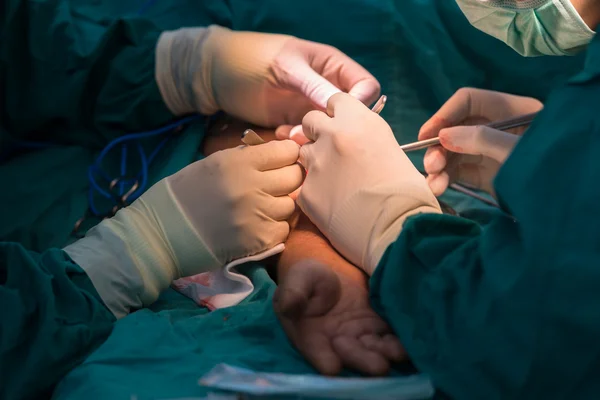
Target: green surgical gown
[52, 318]
[74, 92]
[511, 310]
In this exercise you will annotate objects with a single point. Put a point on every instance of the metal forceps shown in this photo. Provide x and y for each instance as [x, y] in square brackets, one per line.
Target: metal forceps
[503, 125]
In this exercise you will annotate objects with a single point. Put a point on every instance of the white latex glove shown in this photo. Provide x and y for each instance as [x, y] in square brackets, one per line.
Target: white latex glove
[262, 78]
[471, 153]
[230, 205]
[360, 186]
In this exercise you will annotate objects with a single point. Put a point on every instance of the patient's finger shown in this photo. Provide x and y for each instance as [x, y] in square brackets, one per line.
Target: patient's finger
[355, 355]
[297, 135]
[294, 133]
[283, 132]
[387, 345]
[318, 350]
[316, 123]
[364, 326]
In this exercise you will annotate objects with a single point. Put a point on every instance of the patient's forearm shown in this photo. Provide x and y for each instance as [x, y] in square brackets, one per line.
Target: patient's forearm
[306, 241]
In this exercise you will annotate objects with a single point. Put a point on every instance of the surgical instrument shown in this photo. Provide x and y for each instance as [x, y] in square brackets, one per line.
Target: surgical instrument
[503, 125]
[251, 138]
[378, 107]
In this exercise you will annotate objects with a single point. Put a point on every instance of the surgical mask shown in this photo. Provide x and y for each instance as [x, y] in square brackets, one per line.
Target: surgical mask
[531, 27]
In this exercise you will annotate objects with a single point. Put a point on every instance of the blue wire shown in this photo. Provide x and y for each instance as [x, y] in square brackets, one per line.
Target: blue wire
[142, 187]
[142, 176]
[123, 167]
[157, 149]
[95, 168]
[144, 167]
[144, 135]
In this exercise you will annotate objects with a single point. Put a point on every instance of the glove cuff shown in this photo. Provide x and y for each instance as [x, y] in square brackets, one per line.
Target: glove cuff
[176, 240]
[184, 82]
[162, 246]
[366, 223]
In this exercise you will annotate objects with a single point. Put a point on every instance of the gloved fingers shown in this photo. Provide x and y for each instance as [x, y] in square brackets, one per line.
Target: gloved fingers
[357, 356]
[298, 136]
[342, 71]
[347, 74]
[307, 155]
[454, 111]
[367, 90]
[479, 140]
[280, 208]
[342, 105]
[282, 181]
[301, 77]
[315, 123]
[279, 232]
[477, 104]
[291, 132]
[274, 154]
[438, 183]
[283, 132]
[435, 160]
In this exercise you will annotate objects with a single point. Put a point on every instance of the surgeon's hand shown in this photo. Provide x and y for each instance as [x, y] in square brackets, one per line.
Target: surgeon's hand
[327, 316]
[470, 152]
[229, 205]
[360, 186]
[262, 78]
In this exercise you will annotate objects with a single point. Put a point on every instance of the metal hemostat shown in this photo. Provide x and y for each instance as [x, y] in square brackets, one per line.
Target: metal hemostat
[251, 138]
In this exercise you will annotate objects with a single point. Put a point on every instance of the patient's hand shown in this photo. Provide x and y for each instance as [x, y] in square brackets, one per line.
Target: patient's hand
[327, 316]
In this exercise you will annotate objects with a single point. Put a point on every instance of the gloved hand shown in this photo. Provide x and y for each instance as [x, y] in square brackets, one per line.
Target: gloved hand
[470, 153]
[262, 78]
[360, 186]
[232, 204]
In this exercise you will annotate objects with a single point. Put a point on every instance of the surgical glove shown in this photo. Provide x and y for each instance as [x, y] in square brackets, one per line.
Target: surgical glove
[471, 153]
[262, 78]
[360, 186]
[230, 205]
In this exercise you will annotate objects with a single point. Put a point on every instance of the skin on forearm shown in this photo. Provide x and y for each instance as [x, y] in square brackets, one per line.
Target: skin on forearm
[305, 240]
